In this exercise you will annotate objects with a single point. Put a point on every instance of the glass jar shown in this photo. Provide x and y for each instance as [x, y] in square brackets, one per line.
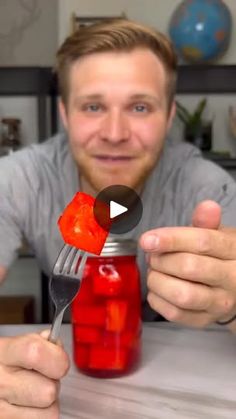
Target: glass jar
[106, 314]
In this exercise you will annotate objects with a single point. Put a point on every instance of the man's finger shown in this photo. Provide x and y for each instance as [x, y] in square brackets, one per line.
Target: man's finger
[46, 333]
[34, 353]
[37, 391]
[175, 314]
[19, 412]
[216, 243]
[191, 267]
[189, 295]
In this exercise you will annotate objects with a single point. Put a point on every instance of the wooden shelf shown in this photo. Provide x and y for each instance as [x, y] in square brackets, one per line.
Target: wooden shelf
[17, 309]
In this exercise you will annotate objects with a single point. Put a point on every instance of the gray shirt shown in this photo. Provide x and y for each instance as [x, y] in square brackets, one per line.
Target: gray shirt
[37, 183]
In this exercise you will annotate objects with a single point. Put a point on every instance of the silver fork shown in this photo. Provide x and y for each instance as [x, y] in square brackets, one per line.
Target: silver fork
[65, 283]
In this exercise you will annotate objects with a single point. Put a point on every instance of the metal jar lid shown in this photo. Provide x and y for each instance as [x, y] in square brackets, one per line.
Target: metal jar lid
[119, 247]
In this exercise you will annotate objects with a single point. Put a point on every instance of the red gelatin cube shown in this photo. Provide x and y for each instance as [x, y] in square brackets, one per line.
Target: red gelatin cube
[116, 315]
[125, 339]
[134, 322]
[86, 334]
[79, 227]
[85, 295]
[107, 282]
[89, 315]
[107, 358]
[81, 356]
[110, 339]
[129, 338]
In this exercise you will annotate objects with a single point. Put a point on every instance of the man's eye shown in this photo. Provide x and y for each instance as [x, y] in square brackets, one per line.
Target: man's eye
[140, 108]
[93, 107]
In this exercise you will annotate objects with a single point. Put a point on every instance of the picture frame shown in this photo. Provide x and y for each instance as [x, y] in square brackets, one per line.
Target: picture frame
[81, 21]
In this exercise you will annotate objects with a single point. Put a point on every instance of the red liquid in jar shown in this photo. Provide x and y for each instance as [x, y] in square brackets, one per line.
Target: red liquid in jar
[106, 317]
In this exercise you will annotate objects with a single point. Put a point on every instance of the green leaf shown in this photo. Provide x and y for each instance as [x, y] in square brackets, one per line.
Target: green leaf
[192, 120]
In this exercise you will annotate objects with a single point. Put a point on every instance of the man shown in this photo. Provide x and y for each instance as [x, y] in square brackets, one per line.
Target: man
[117, 83]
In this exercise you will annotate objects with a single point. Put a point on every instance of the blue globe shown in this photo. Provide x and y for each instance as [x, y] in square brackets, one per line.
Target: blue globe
[201, 30]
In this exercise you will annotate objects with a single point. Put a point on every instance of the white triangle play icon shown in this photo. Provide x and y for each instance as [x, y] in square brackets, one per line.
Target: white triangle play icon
[116, 209]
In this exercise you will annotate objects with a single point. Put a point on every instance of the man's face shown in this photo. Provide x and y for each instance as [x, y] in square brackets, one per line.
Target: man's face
[116, 117]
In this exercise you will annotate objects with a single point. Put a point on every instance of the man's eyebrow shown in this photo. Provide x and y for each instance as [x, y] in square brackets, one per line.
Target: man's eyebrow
[145, 96]
[136, 96]
[80, 98]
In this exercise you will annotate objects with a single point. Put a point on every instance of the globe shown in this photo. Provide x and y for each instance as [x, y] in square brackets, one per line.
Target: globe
[201, 30]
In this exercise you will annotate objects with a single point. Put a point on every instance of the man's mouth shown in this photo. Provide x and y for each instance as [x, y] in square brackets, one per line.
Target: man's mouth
[113, 158]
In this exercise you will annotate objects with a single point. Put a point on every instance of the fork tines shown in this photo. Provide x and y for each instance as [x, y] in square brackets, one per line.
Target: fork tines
[68, 260]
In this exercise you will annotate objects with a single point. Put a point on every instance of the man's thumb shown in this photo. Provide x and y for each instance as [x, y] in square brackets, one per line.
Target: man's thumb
[207, 214]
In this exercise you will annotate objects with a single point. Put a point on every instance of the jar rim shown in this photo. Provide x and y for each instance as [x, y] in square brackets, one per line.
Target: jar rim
[119, 247]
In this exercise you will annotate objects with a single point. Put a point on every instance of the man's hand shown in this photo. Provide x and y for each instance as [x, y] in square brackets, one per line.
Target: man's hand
[192, 270]
[30, 370]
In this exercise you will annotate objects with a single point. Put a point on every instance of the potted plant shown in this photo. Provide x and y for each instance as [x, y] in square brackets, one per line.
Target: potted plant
[197, 129]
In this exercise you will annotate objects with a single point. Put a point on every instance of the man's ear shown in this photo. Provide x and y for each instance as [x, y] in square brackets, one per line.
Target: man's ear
[171, 116]
[63, 114]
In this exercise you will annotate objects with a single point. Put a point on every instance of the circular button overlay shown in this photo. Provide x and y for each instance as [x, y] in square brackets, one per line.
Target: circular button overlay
[118, 209]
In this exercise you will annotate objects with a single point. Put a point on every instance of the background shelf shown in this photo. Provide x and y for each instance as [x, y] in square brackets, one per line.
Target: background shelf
[41, 82]
[207, 79]
[191, 79]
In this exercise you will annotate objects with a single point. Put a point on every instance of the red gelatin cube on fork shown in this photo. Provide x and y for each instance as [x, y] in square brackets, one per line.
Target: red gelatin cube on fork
[107, 282]
[116, 311]
[89, 315]
[107, 358]
[78, 225]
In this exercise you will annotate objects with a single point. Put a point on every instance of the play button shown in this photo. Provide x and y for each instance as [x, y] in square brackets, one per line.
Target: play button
[123, 209]
[116, 209]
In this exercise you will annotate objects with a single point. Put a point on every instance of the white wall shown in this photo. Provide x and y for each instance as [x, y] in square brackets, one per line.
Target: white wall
[28, 32]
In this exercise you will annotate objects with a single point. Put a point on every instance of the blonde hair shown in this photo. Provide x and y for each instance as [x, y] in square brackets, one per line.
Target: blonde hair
[115, 35]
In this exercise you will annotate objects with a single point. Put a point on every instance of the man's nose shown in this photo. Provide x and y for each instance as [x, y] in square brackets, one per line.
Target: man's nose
[115, 127]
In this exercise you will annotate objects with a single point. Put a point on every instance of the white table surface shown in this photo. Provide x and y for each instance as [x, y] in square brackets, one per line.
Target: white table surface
[185, 374]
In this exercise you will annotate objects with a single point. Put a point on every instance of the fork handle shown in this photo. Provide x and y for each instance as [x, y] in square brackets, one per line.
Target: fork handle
[56, 327]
